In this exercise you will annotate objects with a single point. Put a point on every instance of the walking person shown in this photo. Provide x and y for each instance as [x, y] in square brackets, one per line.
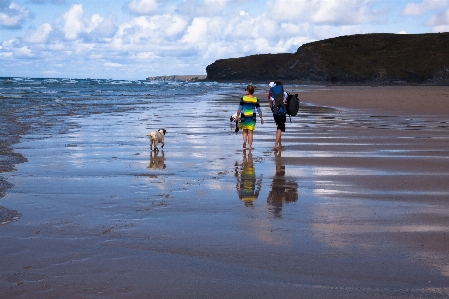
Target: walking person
[249, 105]
[278, 101]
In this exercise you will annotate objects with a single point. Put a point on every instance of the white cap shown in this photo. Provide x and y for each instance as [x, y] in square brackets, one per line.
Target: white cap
[272, 84]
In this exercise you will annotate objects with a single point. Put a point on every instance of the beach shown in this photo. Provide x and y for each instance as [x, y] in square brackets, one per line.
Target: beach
[356, 204]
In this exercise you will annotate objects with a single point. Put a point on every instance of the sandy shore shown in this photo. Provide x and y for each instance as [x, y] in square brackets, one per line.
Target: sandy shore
[354, 206]
[399, 100]
[411, 100]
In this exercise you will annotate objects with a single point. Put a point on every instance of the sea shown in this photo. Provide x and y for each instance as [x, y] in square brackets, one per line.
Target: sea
[33, 100]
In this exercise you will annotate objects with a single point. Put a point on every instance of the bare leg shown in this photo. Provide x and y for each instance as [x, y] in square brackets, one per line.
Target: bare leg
[250, 139]
[245, 136]
[278, 144]
[280, 139]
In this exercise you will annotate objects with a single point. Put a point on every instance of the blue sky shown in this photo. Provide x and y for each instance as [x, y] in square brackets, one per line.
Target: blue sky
[135, 39]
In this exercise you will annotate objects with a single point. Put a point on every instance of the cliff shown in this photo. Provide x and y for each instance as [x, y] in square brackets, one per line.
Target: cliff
[356, 59]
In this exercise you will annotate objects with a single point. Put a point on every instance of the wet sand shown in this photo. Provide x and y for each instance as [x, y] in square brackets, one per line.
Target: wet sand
[393, 100]
[356, 205]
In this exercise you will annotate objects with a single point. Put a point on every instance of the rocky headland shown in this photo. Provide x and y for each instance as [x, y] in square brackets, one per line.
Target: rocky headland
[357, 59]
[177, 78]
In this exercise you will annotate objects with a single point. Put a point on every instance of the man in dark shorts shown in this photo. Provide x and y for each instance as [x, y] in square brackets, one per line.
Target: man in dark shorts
[278, 100]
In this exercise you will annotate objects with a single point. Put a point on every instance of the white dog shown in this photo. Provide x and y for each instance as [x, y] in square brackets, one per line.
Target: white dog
[238, 123]
[156, 137]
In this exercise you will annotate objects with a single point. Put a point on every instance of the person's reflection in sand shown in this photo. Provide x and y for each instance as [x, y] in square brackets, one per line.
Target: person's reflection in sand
[248, 185]
[156, 161]
[282, 190]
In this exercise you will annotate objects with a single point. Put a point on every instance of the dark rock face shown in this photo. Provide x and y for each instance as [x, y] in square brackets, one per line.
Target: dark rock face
[355, 59]
[252, 67]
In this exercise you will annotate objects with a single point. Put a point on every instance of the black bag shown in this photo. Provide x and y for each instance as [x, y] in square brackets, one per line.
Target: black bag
[292, 104]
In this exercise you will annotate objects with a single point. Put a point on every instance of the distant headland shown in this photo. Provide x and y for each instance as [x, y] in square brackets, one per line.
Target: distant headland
[380, 58]
[178, 78]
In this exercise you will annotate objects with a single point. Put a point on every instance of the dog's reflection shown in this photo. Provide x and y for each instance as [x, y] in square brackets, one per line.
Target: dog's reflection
[248, 185]
[157, 160]
[282, 190]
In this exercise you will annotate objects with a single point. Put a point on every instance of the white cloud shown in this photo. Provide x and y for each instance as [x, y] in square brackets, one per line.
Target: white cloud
[442, 28]
[440, 19]
[39, 36]
[146, 55]
[48, 1]
[9, 44]
[340, 12]
[97, 28]
[207, 8]
[323, 31]
[197, 31]
[104, 27]
[73, 21]
[269, 29]
[236, 29]
[413, 9]
[295, 42]
[50, 72]
[142, 7]
[23, 52]
[95, 20]
[12, 15]
[157, 33]
[440, 22]
[402, 32]
[175, 26]
[259, 44]
[216, 5]
[6, 55]
[113, 65]
[290, 9]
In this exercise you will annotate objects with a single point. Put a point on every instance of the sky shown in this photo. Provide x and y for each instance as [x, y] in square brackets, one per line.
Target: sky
[135, 39]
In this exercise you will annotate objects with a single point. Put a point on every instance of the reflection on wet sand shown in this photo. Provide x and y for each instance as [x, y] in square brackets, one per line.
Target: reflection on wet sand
[282, 191]
[157, 161]
[248, 185]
